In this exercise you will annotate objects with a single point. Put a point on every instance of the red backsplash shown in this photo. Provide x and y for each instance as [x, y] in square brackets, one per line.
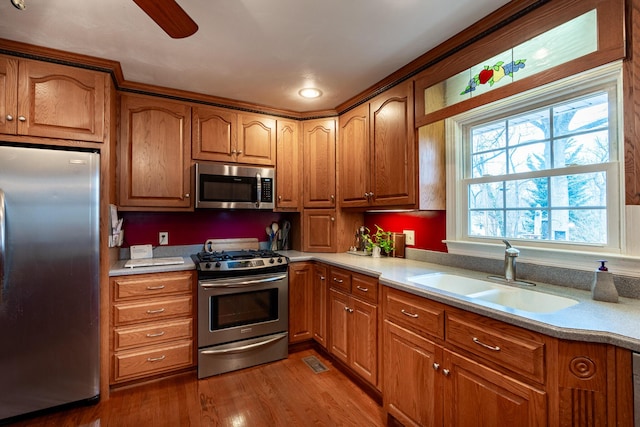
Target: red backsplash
[429, 226]
[190, 228]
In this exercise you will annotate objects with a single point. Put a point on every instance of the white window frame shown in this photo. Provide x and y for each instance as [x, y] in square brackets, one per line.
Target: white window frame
[554, 253]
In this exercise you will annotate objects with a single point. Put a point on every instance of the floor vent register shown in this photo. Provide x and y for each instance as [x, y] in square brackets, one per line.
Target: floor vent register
[315, 365]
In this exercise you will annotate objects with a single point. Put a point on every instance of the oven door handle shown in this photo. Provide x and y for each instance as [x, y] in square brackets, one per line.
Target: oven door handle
[245, 347]
[242, 283]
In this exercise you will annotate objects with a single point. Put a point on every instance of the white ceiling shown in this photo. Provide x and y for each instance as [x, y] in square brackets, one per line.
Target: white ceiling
[259, 51]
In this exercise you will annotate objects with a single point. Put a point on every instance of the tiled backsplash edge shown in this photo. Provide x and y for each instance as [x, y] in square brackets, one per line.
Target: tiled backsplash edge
[628, 287]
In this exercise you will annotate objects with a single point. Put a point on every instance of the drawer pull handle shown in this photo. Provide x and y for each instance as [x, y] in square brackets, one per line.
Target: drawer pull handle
[155, 288]
[338, 280]
[490, 347]
[360, 288]
[436, 366]
[157, 334]
[348, 310]
[156, 359]
[160, 310]
[406, 313]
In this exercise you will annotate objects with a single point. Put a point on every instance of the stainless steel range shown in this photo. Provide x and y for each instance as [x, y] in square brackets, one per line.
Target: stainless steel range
[243, 313]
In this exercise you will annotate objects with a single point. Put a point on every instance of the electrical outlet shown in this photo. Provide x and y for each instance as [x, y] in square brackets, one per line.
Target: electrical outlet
[410, 237]
[163, 238]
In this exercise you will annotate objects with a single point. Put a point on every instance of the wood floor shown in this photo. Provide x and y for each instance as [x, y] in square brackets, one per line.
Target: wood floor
[285, 393]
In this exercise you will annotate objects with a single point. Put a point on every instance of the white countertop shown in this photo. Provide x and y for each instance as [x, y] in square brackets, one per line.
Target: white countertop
[591, 321]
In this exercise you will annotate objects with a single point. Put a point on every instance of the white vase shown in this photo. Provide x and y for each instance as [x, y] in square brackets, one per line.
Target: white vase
[376, 252]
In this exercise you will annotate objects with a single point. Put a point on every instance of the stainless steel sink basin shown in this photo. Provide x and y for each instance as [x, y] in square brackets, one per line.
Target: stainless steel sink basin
[505, 296]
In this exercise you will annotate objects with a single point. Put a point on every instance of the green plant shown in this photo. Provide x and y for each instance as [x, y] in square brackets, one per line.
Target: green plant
[380, 238]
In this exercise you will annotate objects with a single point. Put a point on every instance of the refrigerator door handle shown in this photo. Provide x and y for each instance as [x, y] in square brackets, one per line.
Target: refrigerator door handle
[2, 241]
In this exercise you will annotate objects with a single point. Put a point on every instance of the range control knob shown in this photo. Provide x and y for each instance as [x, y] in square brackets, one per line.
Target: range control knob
[279, 260]
[271, 261]
[218, 264]
[207, 265]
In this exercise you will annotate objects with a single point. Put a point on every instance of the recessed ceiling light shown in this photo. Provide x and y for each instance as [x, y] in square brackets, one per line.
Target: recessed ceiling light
[310, 92]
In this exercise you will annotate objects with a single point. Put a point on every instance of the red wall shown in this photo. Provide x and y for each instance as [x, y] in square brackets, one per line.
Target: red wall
[429, 226]
[190, 228]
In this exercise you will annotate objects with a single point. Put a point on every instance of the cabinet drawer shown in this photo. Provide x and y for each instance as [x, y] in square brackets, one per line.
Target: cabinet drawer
[129, 287]
[156, 309]
[414, 312]
[152, 333]
[364, 287]
[148, 361]
[509, 347]
[340, 279]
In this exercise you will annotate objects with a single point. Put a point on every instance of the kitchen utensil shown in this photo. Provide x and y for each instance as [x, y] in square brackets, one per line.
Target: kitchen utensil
[286, 227]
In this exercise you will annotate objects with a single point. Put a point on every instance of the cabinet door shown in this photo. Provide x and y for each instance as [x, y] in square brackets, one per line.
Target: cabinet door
[300, 301]
[256, 140]
[57, 101]
[338, 325]
[288, 164]
[319, 151]
[155, 153]
[320, 290]
[8, 95]
[215, 134]
[319, 230]
[476, 396]
[411, 377]
[393, 159]
[353, 183]
[363, 341]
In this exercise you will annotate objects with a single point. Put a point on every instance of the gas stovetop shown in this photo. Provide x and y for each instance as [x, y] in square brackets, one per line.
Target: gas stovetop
[240, 261]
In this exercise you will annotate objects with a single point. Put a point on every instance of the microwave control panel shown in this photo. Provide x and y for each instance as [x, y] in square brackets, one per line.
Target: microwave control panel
[267, 190]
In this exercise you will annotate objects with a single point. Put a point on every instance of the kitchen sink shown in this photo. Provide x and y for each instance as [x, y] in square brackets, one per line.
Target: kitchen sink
[452, 283]
[525, 300]
[505, 296]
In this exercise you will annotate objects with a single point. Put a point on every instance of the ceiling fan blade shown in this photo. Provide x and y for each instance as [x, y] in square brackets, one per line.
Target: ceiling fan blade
[169, 16]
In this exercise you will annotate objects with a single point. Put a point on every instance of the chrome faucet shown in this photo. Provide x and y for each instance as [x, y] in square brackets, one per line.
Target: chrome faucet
[510, 255]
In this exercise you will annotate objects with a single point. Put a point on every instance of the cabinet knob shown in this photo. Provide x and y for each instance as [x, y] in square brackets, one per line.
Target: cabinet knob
[436, 366]
[9, 117]
[239, 151]
[446, 372]
[333, 219]
[333, 198]
[187, 195]
[371, 194]
[22, 118]
[279, 198]
[233, 151]
[321, 277]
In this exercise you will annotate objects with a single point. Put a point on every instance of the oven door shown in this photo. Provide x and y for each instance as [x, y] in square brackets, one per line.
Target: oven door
[238, 308]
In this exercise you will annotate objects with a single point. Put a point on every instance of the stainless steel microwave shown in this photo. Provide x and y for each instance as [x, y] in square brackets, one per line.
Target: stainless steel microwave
[225, 186]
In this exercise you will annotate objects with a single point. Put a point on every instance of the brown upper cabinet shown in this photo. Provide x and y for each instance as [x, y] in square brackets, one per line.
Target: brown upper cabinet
[319, 152]
[288, 166]
[378, 151]
[227, 136]
[50, 100]
[155, 154]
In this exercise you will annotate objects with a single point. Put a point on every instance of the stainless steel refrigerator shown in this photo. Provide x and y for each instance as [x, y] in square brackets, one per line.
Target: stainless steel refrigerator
[49, 278]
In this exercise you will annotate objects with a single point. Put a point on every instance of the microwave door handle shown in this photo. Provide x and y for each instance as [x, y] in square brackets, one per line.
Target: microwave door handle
[259, 189]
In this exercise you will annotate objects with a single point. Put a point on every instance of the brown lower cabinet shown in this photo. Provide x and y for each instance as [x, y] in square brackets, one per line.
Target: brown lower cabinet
[447, 367]
[152, 325]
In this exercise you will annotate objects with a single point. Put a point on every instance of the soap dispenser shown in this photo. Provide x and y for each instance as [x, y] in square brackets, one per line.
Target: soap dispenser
[603, 288]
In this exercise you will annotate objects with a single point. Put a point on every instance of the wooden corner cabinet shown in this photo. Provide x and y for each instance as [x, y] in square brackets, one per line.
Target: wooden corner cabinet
[377, 147]
[152, 325]
[288, 166]
[51, 100]
[445, 366]
[155, 154]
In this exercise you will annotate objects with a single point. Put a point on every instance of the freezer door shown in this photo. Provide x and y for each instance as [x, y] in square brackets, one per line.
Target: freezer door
[49, 284]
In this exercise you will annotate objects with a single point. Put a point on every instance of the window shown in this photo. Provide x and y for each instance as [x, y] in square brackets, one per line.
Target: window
[542, 167]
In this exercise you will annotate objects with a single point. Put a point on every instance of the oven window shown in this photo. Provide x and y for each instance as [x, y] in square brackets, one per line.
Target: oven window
[245, 308]
[228, 189]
